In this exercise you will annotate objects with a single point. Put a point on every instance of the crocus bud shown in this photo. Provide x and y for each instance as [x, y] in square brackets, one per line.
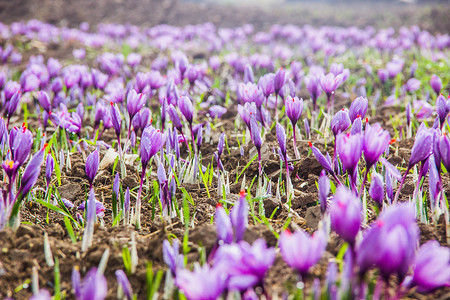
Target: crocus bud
[172, 257]
[324, 190]
[92, 163]
[408, 114]
[31, 173]
[307, 129]
[358, 108]
[389, 188]
[11, 87]
[123, 282]
[431, 267]
[423, 146]
[376, 190]
[281, 136]
[301, 251]
[126, 200]
[221, 144]
[49, 166]
[294, 108]
[11, 105]
[266, 84]
[375, 142]
[442, 109]
[340, 122]
[44, 101]
[279, 80]
[239, 217]
[313, 85]
[255, 133]
[345, 213]
[186, 108]
[436, 84]
[116, 118]
[443, 146]
[174, 117]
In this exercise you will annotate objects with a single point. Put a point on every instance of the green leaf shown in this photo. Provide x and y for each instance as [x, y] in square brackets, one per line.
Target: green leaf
[70, 229]
[126, 257]
[245, 168]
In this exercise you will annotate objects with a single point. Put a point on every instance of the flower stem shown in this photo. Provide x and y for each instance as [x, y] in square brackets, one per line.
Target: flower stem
[297, 155]
[138, 200]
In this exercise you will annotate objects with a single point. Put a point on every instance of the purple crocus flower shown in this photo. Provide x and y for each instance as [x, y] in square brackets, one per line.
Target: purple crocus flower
[223, 225]
[204, 283]
[172, 257]
[313, 85]
[49, 166]
[375, 142]
[266, 84]
[442, 109]
[31, 173]
[20, 142]
[325, 161]
[383, 75]
[307, 129]
[301, 251]
[246, 112]
[436, 84]
[345, 213]
[152, 141]
[442, 148]
[358, 108]
[281, 136]
[135, 102]
[349, 149]
[246, 265]
[11, 87]
[11, 105]
[186, 108]
[256, 135]
[92, 163]
[43, 294]
[239, 217]
[376, 190]
[174, 117]
[116, 119]
[44, 101]
[432, 267]
[356, 126]
[423, 146]
[340, 122]
[124, 283]
[391, 242]
[217, 111]
[324, 190]
[93, 287]
[294, 108]
[279, 80]
[412, 85]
